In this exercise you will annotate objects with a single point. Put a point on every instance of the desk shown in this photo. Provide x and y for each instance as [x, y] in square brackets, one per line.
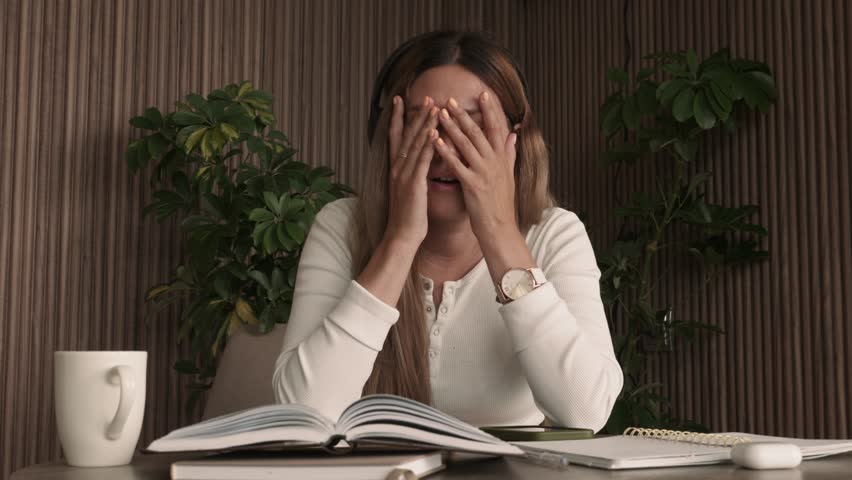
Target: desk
[156, 467]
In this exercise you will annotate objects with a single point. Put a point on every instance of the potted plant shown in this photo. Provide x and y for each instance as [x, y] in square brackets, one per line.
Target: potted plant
[662, 116]
[245, 207]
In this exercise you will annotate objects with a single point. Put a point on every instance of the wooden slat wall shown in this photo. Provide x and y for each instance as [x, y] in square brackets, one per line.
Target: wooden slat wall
[75, 256]
[784, 366]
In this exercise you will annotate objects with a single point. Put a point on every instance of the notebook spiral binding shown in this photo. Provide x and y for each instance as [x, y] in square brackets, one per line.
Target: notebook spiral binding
[712, 439]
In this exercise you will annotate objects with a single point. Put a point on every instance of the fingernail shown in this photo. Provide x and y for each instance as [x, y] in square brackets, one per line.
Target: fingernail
[440, 141]
[514, 138]
[484, 96]
[395, 99]
[434, 111]
[445, 113]
[426, 101]
[453, 102]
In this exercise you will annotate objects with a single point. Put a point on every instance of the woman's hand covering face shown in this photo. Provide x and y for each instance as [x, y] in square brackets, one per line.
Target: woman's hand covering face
[484, 162]
[411, 150]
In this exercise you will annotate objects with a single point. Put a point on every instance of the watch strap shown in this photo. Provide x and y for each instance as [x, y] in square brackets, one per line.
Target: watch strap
[538, 276]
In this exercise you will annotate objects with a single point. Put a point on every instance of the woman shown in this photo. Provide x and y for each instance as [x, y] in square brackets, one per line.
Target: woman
[453, 279]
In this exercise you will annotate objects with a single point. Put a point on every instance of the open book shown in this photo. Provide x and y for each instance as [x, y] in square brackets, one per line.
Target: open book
[374, 419]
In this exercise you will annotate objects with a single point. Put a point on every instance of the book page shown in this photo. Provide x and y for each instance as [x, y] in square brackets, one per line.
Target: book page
[272, 423]
[397, 419]
[396, 408]
[401, 434]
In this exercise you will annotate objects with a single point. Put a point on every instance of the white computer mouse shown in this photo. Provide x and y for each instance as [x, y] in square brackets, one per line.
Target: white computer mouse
[765, 455]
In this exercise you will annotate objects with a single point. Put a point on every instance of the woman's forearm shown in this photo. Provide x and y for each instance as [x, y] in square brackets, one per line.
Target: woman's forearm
[386, 272]
[505, 248]
[328, 367]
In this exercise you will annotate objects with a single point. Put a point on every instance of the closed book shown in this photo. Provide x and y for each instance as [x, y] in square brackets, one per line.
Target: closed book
[306, 465]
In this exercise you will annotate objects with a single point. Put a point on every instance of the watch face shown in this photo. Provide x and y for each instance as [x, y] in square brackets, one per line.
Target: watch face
[516, 283]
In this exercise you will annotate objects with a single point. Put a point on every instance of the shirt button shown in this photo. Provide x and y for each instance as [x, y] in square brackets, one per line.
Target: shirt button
[443, 309]
[449, 289]
[436, 332]
[429, 309]
[433, 354]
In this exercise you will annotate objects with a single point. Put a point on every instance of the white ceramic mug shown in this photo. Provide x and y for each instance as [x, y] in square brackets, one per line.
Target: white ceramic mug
[100, 398]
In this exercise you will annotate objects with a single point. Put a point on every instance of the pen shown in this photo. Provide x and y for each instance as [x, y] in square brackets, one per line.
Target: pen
[544, 458]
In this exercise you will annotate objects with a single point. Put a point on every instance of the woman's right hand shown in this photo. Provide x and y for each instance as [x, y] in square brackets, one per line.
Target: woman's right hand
[411, 153]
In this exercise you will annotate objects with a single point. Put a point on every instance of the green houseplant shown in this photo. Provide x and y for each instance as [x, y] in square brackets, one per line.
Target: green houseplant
[245, 206]
[660, 118]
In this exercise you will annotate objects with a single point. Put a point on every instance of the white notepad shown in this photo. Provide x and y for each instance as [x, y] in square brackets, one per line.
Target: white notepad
[646, 451]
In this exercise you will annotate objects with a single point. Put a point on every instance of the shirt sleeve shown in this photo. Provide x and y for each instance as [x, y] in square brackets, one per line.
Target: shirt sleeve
[560, 332]
[336, 326]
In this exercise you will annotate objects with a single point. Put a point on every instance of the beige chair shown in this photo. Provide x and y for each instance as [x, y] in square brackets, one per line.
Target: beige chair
[244, 377]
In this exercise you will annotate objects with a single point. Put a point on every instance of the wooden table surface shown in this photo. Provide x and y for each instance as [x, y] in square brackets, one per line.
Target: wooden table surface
[156, 467]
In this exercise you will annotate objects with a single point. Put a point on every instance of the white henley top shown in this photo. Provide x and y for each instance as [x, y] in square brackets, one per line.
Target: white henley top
[548, 353]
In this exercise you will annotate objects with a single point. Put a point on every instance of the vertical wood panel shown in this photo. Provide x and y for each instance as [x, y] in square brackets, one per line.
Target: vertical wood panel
[783, 366]
[75, 255]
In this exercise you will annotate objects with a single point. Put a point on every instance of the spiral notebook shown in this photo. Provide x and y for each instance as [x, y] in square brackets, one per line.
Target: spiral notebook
[650, 448]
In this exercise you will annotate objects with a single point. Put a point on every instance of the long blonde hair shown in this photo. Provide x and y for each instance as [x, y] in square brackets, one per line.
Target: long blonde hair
[402, 367]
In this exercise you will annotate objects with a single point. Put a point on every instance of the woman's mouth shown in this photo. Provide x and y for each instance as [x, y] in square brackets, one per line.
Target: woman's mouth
[444, 184]
[447, 180]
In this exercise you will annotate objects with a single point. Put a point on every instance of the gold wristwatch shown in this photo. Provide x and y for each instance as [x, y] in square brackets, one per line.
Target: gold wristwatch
[518, 282]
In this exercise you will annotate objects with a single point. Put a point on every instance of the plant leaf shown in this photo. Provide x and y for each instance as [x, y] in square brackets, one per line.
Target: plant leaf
[193, 139]
[260, 278]
[261, 215]
[668, 90]
[154, 116]
[259, 232]
[255, 145]
[245, 312]
[187, 118]
[199, 103]
[143, 123]
[206, 147]
[682, 106]
[765, 82]
[629, 113]
[156, 290]
[245, 87]
[269, 240]
[284, 239]
[692, 62]
[702, 111]
[157, 144]
[295, 231]
[646, 98]
[271, 200]
[229, 131]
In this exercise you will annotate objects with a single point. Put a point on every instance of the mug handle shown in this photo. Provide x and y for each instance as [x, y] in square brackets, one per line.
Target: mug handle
[123, 376]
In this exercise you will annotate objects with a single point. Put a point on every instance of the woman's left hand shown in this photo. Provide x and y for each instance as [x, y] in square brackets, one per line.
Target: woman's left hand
[487, 175]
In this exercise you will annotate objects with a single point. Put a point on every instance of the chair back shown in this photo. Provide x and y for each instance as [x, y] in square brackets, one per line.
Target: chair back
[244, 377]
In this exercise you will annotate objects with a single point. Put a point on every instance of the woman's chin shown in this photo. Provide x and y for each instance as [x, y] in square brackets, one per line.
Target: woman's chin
[445, 206]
